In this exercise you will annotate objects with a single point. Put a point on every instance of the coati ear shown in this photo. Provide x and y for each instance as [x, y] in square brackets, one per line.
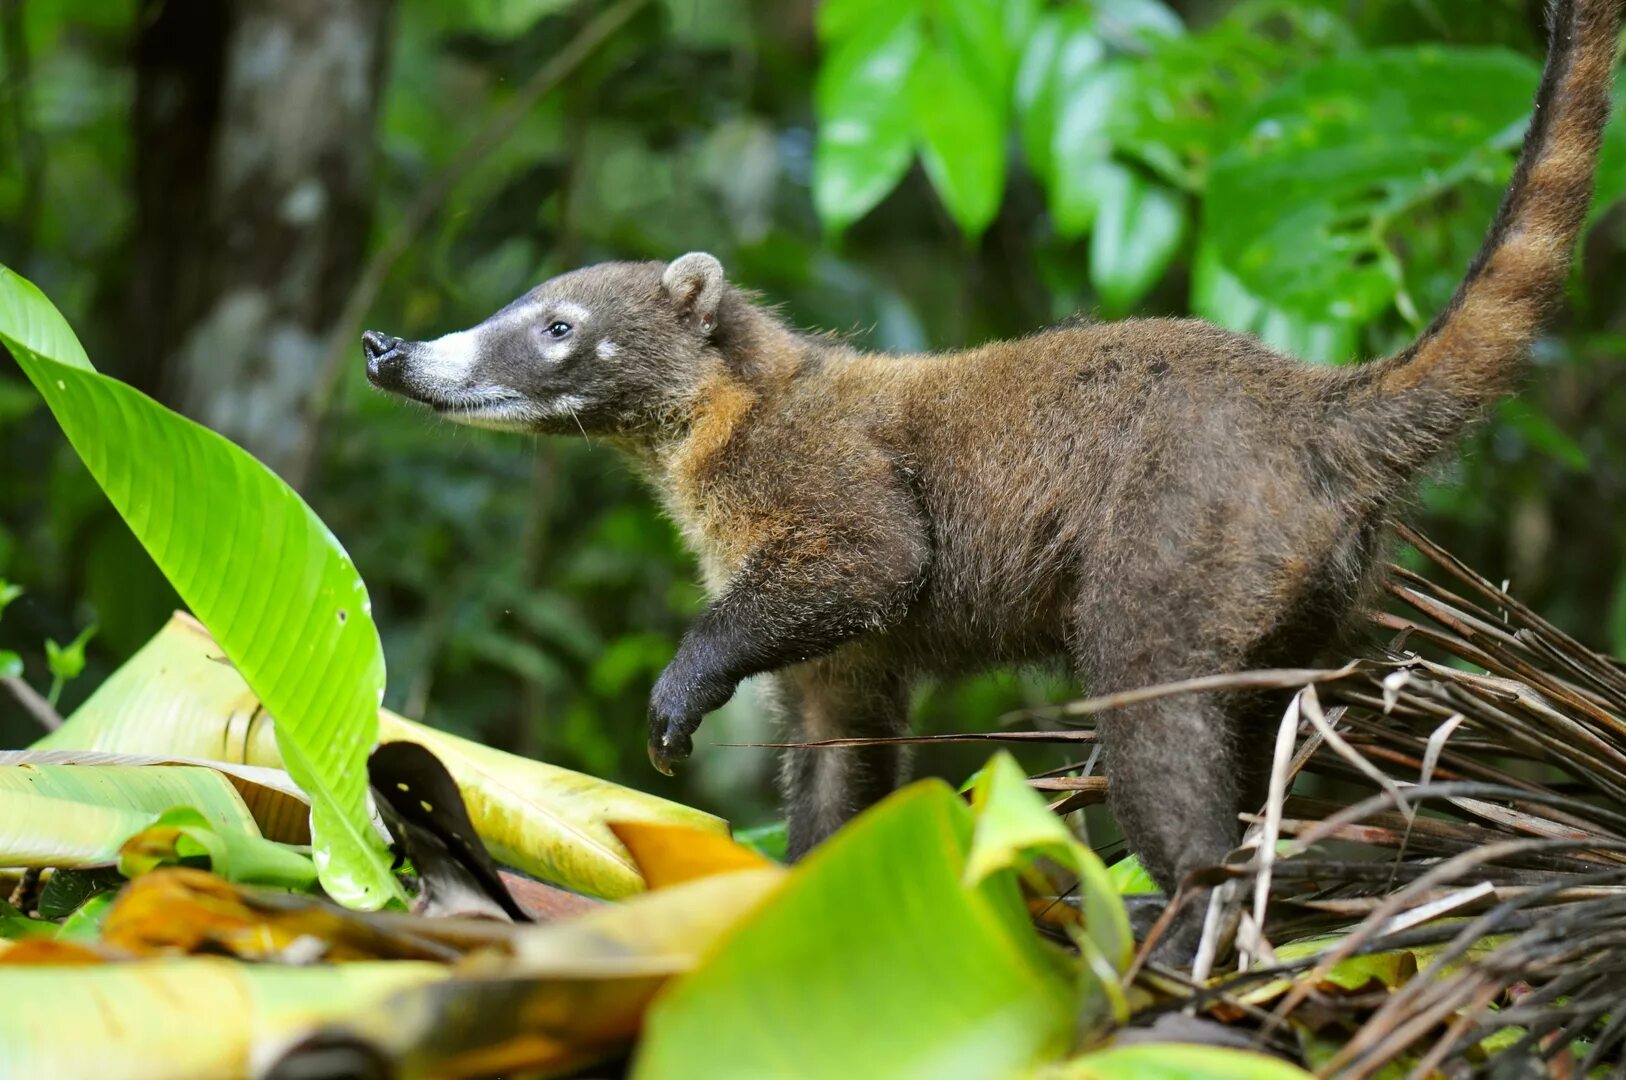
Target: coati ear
[695, 283]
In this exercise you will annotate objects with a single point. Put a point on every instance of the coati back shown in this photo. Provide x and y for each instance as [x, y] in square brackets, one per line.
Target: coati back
[1149, 500]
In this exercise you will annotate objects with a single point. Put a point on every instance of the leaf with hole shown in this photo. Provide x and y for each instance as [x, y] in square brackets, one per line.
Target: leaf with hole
[1297, 209]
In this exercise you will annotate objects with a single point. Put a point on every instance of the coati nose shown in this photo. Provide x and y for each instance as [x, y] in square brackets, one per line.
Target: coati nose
[383, 354]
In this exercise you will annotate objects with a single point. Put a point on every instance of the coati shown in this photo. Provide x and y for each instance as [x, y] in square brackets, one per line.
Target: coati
[1149, 500]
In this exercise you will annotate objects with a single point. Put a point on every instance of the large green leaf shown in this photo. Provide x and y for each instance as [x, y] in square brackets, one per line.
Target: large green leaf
[172, 697]
[874, 959]
[1063, 41]
[866, 131]
[253, 562]
[1138, 229]
[962, 140]
[1219, 296]
[1173, 1061]
[1611, 177]
[1298, 209]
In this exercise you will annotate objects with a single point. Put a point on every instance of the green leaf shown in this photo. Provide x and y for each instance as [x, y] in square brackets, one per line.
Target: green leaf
[8, 593]
[1611, 174]
[769, 840]
[1083, 168]
[1173, 1061]
[1540, 432]
[66, 891]
[11, 665]
[1297, 209]
[1062, 42]
[1067, 93]
[1139, 227]
[68, 661]
[858, 966]
[78, 815]
[255, 565]
[866, 132]
[1219, 296]
[1014, 825]
[14, 924]
[1137, 22]
[506, 19]
[971, 35]
[85, 923]
[1130, 878]
[183, 833]
[962, 140]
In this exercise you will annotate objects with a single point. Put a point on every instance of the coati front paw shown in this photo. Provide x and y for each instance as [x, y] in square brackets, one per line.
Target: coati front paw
[676, 707]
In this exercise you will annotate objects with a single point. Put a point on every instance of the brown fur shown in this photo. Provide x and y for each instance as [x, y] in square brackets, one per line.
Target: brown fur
[1147, 500]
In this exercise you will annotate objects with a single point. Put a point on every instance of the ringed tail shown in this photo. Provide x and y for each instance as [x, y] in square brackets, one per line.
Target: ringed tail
[1475, 351]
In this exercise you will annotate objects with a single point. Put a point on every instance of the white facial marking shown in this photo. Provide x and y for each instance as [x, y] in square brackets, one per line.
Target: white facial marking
[557, 351]
[448, 360]
[607, 349]
[498, 413]
[569, 312]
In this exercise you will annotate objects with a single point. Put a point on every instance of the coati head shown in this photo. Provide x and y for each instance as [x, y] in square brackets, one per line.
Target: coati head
[615, 348]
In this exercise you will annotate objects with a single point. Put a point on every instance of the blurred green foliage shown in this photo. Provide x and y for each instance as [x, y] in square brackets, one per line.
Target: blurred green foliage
[920, 174]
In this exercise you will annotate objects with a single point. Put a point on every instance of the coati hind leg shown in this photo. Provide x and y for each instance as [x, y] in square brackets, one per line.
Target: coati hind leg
[1174, 765]
[840, 696]
[1175, 787]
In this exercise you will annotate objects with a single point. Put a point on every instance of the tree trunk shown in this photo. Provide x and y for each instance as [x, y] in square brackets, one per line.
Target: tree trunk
[255, 139]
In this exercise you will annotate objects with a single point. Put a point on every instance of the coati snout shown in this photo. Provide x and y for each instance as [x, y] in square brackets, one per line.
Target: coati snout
[599, 351]
[1149, 500]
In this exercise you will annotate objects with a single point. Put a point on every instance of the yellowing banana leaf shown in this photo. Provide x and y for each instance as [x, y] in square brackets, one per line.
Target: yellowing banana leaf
[79, 815]
[1173, 1061]
[875, 958]
[280, 808]
[36, 831]
[574, 991]
[187, 1018]
[148, 789]
[175, 697]
[183, 833]
[252, 561]
[669, 855]
[179, 909]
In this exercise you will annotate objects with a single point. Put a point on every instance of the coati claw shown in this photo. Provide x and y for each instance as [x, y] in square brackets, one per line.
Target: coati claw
[669, 746]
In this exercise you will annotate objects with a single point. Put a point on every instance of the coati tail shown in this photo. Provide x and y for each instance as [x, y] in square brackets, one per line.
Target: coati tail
[1475, 350]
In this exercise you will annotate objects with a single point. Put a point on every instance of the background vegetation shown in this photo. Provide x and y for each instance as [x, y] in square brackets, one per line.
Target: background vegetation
[201, 185]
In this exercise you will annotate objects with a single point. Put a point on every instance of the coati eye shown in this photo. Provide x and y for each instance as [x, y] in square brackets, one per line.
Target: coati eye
[558, 330]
